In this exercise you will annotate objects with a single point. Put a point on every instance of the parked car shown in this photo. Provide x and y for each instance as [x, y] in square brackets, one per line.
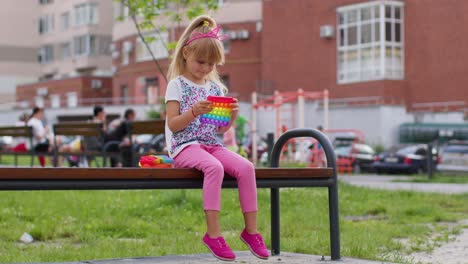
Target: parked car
[404, 159]
[359, 157]
[454, 157]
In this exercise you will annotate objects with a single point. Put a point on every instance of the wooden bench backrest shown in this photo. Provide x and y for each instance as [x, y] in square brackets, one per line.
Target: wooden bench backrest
[153, 127]
[78, 129]
[14, 131]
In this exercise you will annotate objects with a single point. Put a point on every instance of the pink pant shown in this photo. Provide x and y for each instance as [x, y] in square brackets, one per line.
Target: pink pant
[213, 161]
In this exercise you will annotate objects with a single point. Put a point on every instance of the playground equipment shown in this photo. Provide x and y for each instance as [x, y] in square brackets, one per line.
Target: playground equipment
[276, 101]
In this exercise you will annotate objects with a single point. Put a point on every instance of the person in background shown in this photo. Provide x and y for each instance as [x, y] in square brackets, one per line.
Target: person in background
[92, 143]
[40, 141]
[21, 143]
[119, 133]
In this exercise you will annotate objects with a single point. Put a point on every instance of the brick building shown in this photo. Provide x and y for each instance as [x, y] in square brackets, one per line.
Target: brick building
[407, 53]
[384, 61]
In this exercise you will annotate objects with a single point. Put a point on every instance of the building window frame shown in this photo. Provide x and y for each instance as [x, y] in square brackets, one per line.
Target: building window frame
[370, 41]
[84, 45]
[55, 100]
[65, 50]
[46, 54]
[86, 14]
[72, 99]
[65, 21]
[46, 24]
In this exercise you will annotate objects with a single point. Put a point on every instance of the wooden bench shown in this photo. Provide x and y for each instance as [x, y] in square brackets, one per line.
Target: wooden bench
[18, 132]
[138, 178]
[151, 127]
[80, 129]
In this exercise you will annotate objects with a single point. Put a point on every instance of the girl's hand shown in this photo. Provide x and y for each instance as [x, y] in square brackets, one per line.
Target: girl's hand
[202, 107]
[235, 109]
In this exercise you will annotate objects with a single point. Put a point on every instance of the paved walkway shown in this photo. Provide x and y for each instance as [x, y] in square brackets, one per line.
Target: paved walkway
[242, 257]
[386, 182]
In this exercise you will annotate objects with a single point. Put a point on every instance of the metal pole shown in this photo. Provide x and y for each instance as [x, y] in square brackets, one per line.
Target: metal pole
[270, 142]
[429, 161]
[332, 188]
[275, 221]
[253, 126]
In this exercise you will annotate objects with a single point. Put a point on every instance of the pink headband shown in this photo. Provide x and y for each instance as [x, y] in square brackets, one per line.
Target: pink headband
[214, 33]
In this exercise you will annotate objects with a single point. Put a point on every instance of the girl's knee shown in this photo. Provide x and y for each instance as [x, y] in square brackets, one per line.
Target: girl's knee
[214, 169]
[246, 168]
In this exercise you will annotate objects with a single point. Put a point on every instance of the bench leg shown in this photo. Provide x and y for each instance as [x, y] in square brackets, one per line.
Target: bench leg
[334, 222]
[275, 221]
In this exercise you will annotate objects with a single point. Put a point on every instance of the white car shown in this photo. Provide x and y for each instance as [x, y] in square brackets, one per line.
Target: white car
[454, 157]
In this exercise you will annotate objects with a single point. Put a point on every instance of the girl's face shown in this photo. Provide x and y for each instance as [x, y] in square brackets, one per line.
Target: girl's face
[197, 68]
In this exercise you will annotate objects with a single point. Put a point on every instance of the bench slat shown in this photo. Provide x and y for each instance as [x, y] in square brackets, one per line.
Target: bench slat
[142, 173]
[153, 127]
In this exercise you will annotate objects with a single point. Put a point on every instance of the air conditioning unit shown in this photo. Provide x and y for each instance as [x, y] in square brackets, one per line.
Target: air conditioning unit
[96, 83]
[243, 34]
[127, 46]
[326, 31]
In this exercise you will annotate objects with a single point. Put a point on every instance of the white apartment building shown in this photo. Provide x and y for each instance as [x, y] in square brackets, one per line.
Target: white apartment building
[74, 37]
[50, 40]
[18, 48]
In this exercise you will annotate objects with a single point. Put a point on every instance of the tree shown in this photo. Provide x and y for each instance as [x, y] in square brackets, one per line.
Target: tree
[144, 13]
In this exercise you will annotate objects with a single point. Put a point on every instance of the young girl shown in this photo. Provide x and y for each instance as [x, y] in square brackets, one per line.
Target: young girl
[193, 144]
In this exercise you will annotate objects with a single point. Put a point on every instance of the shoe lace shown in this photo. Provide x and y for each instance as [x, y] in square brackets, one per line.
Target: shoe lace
[221, 242]
[259, 240]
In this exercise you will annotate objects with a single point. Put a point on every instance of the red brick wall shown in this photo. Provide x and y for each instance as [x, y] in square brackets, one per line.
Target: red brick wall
[242, 66]
[436, 50]
[80, 85]
[436, 55]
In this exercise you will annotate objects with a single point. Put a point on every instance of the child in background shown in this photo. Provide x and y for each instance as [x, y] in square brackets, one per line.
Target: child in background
[192, 144]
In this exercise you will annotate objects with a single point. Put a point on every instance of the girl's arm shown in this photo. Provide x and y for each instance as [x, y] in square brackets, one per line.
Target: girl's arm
[234, 113]
[177, 121]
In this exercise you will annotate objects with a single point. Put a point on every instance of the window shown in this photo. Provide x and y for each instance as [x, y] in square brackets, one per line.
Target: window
[45, 2]
[65, 51]
[157, 45]
[65, 21]
[121, 11]
[39, 101]
[55, 100]
[226, 42]
[370, 42]
[46, 54]
[72, 99]
[124, 94]
[86, 14]
[46, 24]
[84, 45]
[126, 49]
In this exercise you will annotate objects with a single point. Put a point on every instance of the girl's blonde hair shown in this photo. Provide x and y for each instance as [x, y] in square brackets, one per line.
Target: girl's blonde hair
[210, 49]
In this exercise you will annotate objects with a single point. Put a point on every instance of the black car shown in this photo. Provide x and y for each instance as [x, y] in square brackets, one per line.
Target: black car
[359, 157]
[404, 159]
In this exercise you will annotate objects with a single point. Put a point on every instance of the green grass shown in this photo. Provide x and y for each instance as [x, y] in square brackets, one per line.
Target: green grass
[436, 178]
[84, 225]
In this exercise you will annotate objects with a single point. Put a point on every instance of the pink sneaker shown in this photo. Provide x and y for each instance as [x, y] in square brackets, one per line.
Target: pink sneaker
[256, 244]
[219, 248]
